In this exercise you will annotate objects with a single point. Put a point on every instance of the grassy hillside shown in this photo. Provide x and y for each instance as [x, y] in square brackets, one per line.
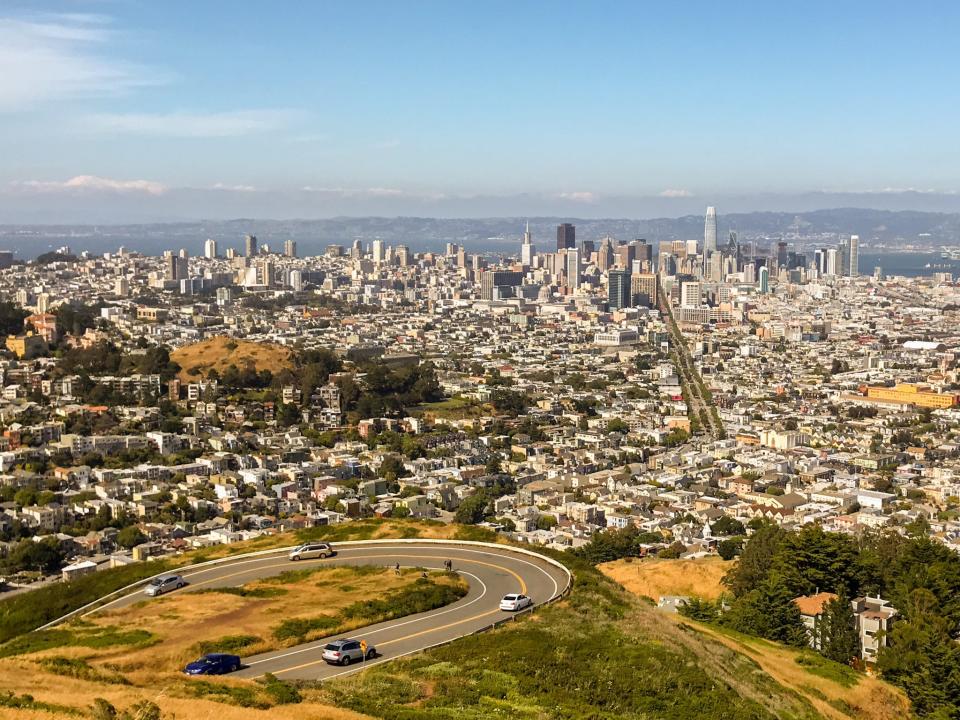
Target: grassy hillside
[221, 352]
[835, 691]
[601, 654]
[655, 577]
[125, 655]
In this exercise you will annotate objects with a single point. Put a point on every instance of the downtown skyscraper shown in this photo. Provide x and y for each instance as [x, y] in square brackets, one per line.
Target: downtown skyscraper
[566, 236]
[853, 259]
[710, 232]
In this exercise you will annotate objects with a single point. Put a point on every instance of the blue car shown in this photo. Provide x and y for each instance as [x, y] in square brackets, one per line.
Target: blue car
[213, 664]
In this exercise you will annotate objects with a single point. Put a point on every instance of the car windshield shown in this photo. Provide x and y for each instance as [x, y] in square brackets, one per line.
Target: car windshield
[510, 597]
[156, 581]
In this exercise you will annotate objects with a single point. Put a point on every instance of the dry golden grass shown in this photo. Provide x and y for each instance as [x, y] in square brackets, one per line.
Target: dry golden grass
[868, 699]
[381, 530]
[24, 677]
[654, 577]
[214, 353]
[182, 620]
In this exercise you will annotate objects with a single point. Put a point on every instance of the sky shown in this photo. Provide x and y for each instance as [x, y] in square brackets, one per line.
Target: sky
[132, 109]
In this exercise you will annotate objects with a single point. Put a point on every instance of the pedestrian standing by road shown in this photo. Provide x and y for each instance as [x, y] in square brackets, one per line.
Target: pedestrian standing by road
[396, 568]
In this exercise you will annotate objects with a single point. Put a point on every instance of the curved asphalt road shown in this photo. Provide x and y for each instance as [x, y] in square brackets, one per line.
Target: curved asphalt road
[491, 573]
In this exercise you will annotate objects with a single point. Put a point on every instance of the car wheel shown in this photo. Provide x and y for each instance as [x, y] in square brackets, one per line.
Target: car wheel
[345, 660]
[323, 556]
[371, 654]
[295, 558]
[179, 585]
[234, 668]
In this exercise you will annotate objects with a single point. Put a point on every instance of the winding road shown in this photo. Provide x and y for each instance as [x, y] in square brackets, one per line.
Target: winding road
[492, 572]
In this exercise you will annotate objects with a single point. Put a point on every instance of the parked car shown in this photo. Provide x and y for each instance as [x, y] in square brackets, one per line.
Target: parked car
[213, 664]
[514, 602]
[346, 651]
[164, 583]
[312, 550]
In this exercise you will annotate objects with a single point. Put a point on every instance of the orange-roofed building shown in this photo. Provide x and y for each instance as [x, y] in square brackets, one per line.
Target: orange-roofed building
[811, 612]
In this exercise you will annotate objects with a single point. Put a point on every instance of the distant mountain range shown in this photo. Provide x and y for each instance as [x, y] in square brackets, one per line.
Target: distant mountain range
[880, 229]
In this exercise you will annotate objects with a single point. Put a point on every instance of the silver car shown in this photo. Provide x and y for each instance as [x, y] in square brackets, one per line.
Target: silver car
[163, 584]
[347, 650]
[312, 550]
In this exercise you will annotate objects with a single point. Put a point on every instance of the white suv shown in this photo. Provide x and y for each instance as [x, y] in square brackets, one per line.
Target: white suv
[311, 550]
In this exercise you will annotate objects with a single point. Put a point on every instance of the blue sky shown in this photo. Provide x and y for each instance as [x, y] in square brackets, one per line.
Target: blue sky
[428, 100]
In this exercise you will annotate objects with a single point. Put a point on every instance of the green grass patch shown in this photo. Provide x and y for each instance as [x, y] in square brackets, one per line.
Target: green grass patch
[822, 667]
[299, 628]
[364, 530]
[27, 611]
[454, 408]
[256, 592]
[81, 669]
[280, 692]
[423, 595]
[475, 533]
[226, 644]
[76, 635]
[27, 702]
[244, 696]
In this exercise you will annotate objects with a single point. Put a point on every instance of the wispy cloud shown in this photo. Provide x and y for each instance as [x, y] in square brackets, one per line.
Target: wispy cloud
[674, 193]
[233, 188]
[53, 57]
[235, 123]
[581, 196]
[350, 192]
[93, 183]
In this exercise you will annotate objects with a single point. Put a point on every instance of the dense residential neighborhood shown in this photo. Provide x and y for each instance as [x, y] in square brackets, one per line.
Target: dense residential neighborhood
[684, 402]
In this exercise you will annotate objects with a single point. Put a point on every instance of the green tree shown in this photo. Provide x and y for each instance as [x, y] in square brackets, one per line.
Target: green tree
[731, 547]
[546, 522]
[673, 551]
[701, 610]
[130, 537]
[287, 414]
[839, 640]
[769, 612]
[472, 510]
[617, 425]
[755, 561]
[727, 525]
[44, 556]
[923, 658]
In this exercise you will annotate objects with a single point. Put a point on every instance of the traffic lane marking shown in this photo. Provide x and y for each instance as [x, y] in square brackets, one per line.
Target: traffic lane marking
[455, 608]
[347, 551]
[316, 643]
[395, 640]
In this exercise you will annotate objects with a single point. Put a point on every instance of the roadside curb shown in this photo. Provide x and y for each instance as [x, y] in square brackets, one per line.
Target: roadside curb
[91, 607]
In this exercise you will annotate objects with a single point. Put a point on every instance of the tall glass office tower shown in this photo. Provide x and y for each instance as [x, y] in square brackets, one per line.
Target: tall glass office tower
[710, 231]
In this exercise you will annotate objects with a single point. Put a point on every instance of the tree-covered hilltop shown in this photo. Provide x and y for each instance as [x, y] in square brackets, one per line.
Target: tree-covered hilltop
[917, 575]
